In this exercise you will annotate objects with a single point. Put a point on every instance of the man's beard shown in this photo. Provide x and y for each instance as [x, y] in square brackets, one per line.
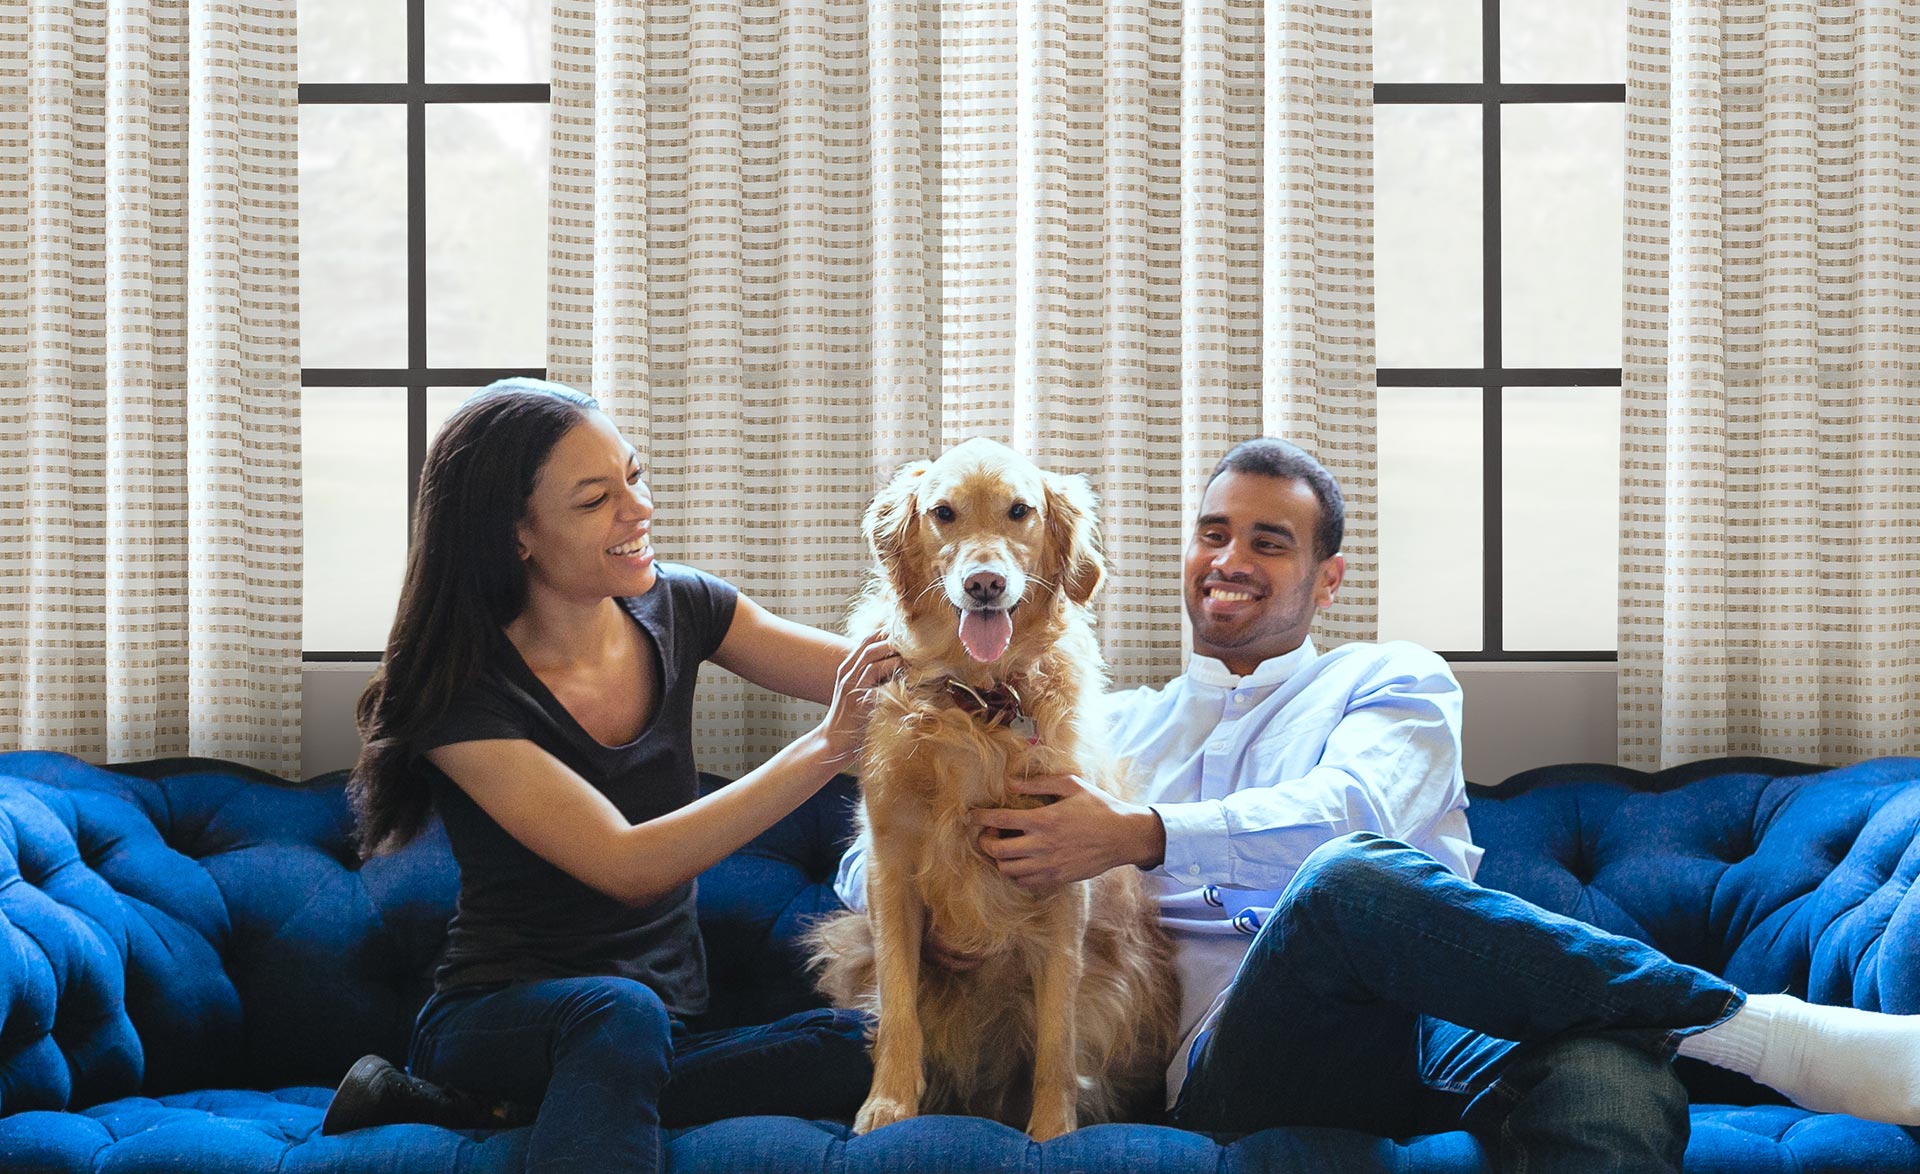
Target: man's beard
[1297, 615]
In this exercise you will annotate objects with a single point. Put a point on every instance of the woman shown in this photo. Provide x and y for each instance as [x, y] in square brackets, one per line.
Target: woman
[537, 692]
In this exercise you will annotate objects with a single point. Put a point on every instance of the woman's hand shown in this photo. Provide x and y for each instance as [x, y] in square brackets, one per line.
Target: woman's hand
[872, 661]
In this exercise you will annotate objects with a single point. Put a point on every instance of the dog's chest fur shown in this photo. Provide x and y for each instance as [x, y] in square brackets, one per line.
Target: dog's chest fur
[944, 763]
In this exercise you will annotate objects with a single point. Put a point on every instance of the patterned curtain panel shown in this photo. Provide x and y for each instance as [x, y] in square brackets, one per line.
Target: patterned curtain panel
[149, 380]
[1770, 492]
[796, 244]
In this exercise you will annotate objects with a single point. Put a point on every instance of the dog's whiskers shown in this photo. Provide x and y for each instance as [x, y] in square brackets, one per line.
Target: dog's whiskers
[932, 587]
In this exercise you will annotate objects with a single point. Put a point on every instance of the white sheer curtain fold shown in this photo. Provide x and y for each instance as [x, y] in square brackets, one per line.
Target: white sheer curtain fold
[149, 380]
[1770, 438]
[798, 244]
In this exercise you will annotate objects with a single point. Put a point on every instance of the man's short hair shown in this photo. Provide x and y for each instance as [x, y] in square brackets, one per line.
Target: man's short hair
[1266, 456]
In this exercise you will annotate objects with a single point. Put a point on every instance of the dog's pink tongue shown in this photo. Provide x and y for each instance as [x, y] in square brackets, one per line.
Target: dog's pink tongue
[986, 633]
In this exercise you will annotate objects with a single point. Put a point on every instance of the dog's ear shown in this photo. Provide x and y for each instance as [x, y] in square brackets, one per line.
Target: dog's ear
[1073, 536]
[893, 519]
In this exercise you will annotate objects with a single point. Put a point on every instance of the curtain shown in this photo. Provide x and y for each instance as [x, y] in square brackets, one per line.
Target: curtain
[1770, 487]
[797, 244]
[149, 380]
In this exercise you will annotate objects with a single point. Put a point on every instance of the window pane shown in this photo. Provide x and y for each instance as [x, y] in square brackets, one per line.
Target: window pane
[353, 236]
[487, 235]
[1563, 173]
[1427, 235]
[352, 41]
[354, 486]
[1426, 40]
[1431, 545]
[1563, 41]
[489, 40]
[1561, 516]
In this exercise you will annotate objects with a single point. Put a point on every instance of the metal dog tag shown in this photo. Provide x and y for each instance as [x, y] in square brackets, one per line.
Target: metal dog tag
[1026, 727]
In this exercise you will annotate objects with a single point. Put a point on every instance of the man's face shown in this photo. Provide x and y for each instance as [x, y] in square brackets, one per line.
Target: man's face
[1251, 580]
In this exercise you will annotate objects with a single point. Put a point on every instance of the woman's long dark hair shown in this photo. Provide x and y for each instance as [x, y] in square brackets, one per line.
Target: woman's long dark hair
[465, 582]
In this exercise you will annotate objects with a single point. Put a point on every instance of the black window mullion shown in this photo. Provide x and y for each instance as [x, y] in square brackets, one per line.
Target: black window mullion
[416, 248]
[433, 93]
[1504, 93]
[1492, 526]
[1497, 377]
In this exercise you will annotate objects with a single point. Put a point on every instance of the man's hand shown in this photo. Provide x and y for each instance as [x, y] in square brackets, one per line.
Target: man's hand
[1081, 834]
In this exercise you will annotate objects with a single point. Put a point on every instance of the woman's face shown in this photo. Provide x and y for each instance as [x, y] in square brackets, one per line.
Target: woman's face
[586, 533]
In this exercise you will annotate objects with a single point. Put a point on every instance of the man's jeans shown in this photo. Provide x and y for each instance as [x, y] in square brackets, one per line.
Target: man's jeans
[608, 1067]
[1387, 994]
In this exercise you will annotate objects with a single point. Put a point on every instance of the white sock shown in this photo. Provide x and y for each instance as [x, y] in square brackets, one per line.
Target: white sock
[1828, 1059]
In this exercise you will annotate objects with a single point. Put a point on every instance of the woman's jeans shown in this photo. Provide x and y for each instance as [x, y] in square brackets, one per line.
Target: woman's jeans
[1388, 995]
[607, 1066]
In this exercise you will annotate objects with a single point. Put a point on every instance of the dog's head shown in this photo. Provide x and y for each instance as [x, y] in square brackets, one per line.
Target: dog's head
[970, 541]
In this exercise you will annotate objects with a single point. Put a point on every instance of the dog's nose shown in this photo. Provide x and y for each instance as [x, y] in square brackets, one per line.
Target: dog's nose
[986, 586]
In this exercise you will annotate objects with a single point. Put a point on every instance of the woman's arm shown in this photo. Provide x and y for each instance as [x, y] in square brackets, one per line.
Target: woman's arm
[788, 658]
[564, 820]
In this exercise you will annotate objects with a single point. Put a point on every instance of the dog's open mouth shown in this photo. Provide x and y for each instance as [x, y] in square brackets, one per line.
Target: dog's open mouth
[986, 632]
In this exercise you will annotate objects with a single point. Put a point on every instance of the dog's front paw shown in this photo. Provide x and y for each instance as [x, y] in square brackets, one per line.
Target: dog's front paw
[880, 1111]
[1045, 1125]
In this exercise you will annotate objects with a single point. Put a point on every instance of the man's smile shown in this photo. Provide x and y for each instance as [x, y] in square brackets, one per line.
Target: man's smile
[1224, 600]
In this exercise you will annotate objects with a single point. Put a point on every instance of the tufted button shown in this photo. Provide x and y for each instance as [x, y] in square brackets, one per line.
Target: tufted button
[1582, 871]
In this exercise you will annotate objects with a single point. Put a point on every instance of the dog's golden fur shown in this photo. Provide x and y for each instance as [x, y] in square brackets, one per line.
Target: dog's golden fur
[1070, 1019]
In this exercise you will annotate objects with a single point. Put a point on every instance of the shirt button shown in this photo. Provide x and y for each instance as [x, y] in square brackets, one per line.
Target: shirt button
[1193, 870]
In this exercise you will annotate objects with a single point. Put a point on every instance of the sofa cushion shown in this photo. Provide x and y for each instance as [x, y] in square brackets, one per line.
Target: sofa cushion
[240, 1132]
[279, 1132]
[756, 904]
[1775, 875]
[203, 928]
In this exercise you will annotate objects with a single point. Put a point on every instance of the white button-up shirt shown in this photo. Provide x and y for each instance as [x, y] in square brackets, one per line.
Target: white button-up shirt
[1250, 774]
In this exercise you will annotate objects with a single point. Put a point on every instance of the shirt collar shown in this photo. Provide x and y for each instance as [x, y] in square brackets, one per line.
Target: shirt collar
[1205, 670]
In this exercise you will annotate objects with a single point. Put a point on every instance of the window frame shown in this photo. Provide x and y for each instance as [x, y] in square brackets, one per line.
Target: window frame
[416, 94]
[1492, 378]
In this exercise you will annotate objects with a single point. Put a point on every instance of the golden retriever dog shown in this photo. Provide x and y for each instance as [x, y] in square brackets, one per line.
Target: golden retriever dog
[985, 567]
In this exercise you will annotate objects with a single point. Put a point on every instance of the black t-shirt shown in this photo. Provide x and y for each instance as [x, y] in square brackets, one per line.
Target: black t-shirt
[520, 918]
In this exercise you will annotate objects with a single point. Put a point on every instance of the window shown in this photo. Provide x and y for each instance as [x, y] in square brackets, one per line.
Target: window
[423, 204]
[1499, 169]
[1498, 177]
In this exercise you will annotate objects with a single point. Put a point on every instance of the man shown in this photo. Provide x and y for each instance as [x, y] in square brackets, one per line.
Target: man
[1305, 827]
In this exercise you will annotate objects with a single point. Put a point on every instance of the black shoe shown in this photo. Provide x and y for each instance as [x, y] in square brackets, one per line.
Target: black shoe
[374, 1092]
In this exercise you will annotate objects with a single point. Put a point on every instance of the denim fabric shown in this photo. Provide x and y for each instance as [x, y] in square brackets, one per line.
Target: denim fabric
[1386, 994]
[607, 1066]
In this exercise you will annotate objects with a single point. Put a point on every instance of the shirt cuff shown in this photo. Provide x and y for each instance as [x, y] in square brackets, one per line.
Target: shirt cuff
[1196, 841]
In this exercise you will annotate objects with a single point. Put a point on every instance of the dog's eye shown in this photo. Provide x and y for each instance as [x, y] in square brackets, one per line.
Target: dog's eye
[943, 513]
[1020, 510]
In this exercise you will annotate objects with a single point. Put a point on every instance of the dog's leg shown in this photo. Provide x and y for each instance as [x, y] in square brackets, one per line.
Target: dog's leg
[1056, 979]
[899, 1079]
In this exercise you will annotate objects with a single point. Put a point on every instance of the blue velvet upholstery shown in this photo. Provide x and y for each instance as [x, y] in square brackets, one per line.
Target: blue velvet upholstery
[190, 956]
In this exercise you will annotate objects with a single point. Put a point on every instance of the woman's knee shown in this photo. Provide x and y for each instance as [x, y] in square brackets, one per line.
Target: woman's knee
[617, 1015]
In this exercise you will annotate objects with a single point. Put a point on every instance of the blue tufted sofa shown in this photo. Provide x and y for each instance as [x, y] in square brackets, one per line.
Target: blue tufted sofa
[190, 956]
